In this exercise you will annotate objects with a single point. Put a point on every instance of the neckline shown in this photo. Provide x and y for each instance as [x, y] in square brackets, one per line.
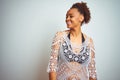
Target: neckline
[81, 45]
[68, 42]
[83, 39]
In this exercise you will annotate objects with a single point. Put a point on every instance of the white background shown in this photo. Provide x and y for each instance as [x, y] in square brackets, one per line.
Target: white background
[28, 26]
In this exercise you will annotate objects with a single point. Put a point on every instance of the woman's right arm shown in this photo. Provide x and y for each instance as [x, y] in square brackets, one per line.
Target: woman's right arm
[52, 66]
[52, 75]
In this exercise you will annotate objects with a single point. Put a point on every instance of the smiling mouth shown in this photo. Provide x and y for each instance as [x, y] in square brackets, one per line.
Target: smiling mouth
[68, 22]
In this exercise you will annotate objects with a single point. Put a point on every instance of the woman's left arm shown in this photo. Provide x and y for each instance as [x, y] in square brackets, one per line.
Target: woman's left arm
[91, 66]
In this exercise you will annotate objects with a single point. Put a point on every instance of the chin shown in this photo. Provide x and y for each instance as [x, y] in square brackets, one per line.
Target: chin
[70, 27]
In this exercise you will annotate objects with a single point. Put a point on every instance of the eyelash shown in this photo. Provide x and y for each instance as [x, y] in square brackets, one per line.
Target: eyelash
[70, 16]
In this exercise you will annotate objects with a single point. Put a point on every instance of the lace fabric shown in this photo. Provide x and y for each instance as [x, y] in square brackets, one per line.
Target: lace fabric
[71, 70]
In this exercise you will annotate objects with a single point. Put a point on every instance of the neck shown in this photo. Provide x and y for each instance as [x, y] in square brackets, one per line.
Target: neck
[76, 31]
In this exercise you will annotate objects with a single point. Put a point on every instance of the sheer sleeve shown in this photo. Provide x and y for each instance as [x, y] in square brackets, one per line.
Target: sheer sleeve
[52, 66]
[91, 66]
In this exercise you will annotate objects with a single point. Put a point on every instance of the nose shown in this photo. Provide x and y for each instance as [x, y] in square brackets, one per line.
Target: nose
[67, 18]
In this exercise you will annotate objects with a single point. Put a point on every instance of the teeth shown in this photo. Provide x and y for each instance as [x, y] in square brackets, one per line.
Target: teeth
[69, 22]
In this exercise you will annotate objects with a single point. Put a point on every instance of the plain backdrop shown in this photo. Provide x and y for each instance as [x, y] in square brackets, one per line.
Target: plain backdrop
[27, 28]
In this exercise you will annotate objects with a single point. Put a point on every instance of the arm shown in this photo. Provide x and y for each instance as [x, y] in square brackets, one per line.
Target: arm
[52, 67]
[52, 75]
[91, 66]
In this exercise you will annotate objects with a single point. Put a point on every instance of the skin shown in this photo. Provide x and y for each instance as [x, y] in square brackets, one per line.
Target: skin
[73, 21]
[52, 76]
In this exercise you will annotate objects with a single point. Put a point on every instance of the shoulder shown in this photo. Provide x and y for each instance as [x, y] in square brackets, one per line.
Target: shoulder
[62, 33]
[88, 38]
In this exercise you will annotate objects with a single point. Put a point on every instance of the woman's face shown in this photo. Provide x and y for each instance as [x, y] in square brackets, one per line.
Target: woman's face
[73, 18]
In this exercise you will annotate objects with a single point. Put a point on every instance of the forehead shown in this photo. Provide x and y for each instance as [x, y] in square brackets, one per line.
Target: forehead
[72, 11]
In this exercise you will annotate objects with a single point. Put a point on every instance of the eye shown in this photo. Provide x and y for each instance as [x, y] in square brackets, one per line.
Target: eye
[71, 16]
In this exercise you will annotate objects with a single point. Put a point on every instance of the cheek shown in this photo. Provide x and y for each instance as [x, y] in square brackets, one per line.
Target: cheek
[76, 20]
[73, 19]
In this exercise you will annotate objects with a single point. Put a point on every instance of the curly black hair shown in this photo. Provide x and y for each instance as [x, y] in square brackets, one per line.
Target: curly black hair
[83, 9]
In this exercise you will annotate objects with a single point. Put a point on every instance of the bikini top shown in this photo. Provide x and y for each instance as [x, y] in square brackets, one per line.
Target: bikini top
[70, 56]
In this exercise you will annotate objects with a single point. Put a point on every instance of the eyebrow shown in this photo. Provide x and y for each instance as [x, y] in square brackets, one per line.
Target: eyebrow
[69, 14]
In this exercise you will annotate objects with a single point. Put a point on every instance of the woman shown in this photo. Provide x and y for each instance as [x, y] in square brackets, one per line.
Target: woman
[73, 54]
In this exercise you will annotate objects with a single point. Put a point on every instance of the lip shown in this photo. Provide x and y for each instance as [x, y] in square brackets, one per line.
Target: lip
[68, 22]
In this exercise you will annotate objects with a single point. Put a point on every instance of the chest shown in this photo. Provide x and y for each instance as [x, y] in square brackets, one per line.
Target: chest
[79, 54]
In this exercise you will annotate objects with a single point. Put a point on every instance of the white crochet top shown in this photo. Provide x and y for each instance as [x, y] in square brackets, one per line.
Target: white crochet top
[71, 61]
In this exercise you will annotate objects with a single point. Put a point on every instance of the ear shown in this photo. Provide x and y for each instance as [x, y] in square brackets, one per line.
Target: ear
[81, 18]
